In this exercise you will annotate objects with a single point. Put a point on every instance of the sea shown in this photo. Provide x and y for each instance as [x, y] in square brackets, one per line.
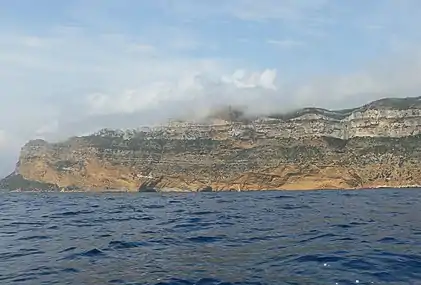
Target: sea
[267, 237]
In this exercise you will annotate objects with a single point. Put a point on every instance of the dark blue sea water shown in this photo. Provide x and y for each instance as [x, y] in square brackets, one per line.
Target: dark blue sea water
[325, 237]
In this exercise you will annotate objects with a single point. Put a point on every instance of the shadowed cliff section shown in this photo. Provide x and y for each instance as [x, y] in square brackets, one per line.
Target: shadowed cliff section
[17, 181]
[377, 145]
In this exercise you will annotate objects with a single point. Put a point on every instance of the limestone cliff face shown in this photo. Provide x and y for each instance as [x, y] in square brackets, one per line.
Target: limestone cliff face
[378, 144]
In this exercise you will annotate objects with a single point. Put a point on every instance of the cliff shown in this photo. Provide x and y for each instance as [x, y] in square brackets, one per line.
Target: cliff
[376, 145]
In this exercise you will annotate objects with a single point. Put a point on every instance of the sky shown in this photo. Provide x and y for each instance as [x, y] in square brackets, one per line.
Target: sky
[73, 67]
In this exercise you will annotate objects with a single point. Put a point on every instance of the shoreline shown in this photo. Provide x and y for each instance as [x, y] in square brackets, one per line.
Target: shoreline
[380, 187]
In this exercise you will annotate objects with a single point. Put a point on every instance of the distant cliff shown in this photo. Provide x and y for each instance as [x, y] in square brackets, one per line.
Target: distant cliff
[376, 145]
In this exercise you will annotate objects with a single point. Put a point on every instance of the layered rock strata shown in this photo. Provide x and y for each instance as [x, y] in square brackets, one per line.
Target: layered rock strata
[376, 145]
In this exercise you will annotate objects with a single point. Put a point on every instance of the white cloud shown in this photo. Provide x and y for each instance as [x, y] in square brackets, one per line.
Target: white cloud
[9, 152]
[53, 84]
[285, 43]
[392, 77]
[47, 129]
[127, 101]
[192, 89]
[3, 139]
[34, 42]
[242, 79]
[80, 77]
[181, 43]
[143, 48]
[83, 79]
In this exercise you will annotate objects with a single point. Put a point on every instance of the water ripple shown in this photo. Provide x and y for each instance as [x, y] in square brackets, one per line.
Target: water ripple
[256, 238]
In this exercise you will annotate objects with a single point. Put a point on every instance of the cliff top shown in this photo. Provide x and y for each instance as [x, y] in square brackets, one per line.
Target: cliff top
[394, 103]
[382, 104]
[234, 114]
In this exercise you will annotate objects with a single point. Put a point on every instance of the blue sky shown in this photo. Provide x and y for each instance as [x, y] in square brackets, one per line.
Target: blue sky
[73, 67]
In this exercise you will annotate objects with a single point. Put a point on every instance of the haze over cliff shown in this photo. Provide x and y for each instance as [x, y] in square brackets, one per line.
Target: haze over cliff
[378, 144]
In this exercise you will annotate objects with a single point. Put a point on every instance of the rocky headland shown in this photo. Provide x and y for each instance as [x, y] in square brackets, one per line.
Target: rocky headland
[375, 145]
